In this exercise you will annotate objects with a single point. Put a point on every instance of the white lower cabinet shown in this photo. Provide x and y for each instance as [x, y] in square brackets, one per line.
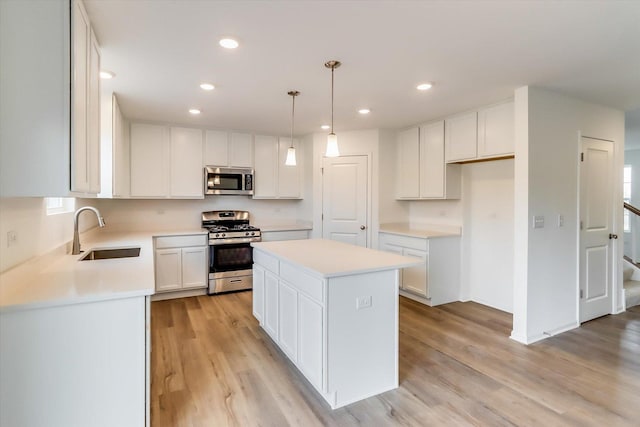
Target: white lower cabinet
[288, 316]
[310, 342]
[271, 304]
[181, 262]
[437, 281]
[83, 364]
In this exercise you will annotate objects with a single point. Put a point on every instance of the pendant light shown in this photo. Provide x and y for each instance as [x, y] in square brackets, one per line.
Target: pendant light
[291, 152]
[332, 139]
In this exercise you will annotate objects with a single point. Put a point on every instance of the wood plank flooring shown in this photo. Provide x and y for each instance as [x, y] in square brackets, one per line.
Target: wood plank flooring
[212, 365]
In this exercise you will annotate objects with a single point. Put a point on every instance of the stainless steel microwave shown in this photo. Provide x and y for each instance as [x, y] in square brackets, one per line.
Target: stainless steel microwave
[223, 180]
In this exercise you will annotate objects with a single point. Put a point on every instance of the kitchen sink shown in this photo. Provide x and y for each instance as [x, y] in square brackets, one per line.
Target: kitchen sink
[110, 253]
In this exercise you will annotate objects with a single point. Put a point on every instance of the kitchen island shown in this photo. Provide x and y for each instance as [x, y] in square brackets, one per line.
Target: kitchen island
[332, 308]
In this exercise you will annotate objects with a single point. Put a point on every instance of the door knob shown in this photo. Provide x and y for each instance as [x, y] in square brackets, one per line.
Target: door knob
[362, 227]
[613, 236]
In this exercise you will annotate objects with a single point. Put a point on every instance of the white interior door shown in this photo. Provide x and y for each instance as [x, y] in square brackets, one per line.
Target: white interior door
[345, 191]
[596, 219]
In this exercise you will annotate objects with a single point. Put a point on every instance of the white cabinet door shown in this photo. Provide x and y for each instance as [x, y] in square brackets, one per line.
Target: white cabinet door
[461, 137]
[149, 155]
[496, 132]
[289, 177]
[194, 272]
[121, 165]
[93, 116]
[408, 168]
[79, 143]
[266, 170]
[414, 279]
[258, 293]
[216, 151]
[310, 342]
[241, 150]
[288, 320]
[186, 163]
[432, 172]
[168, 269]
[271, 304]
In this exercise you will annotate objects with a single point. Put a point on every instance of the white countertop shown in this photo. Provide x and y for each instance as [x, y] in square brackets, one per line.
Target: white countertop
[423, 231]
[266, 228]
[328, 258]
[58, 278]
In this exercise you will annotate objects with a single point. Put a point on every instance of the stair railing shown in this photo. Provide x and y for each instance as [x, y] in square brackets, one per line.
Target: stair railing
[634, 223]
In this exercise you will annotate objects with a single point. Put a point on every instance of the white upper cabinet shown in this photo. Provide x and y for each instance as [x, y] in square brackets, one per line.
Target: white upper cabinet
[40, 66]
[408, 168]
[166, 162]
[482, 135]
[85, 116]
[496, 131]
[421, 170]
[186, 163]
[114, 149]
[274, 179]
[461, 137]
[229, 149]
[149, 157]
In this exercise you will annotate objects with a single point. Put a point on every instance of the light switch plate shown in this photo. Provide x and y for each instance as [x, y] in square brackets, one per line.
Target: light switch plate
[363, 302]
[538, 221]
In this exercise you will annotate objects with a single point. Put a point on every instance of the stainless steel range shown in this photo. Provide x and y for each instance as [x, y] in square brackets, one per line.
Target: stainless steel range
[230, 251]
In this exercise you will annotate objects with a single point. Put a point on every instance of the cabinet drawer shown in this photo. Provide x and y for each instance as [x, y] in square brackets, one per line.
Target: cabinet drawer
[405, 241]
[266, 261]
[308, 285]
[181, 241]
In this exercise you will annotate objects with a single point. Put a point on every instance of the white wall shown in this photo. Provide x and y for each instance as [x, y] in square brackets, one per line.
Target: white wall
[390, 209]
[487, 239]
[548, 129]
[37, 232]
[167, 215]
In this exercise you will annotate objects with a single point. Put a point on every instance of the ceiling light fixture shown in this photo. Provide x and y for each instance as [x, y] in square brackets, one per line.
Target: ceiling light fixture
[325, 127]
[207, 86]
[194, 111]
[291, 152]
[229, 43]
[424, 86]
[332, 139]
[364, 111]
[104, 74]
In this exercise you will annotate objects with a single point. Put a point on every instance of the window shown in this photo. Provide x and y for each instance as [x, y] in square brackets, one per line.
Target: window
[58, 205]
[626, 195]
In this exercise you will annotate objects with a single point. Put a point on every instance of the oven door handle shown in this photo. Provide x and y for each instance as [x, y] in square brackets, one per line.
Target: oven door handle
[235, 280]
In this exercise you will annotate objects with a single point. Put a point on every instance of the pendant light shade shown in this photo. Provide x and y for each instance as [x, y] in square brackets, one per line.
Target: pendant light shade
[291, 152]
[332, 139]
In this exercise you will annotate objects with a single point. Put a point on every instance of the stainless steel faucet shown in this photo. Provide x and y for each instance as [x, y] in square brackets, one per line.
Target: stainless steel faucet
[76, 239]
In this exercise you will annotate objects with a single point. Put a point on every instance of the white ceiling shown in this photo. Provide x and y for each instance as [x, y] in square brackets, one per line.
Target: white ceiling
[475, 53]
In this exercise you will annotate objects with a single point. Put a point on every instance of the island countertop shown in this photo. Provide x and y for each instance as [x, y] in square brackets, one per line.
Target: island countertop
[329, 258]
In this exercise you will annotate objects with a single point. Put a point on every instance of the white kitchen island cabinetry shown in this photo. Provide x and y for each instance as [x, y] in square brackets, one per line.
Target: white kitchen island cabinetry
[437, 280]
[180, 262]
[332, 308]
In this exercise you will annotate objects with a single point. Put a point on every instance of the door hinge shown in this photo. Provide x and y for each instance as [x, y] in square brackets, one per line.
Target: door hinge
[322, 171]
[582, 157]
[581, 294]
[322, 217]
[580, 225]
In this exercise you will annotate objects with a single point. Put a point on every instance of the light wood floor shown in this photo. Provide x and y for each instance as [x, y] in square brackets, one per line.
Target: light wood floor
[212, 365]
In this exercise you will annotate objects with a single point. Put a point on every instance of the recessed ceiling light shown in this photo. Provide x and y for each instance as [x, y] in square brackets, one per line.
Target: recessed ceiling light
[424, 86]
[364, 111]
[104, 74]
[229, 43]
[207, 86]
[194, 111]
[325, 127]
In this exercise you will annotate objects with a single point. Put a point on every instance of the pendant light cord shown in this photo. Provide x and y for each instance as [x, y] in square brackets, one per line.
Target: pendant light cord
[293, 109]
[332, 70]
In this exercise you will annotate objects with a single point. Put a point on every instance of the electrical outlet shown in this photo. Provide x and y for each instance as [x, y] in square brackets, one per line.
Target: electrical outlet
[12, 238]
[538, 221]
[363, 302]
[560, 220]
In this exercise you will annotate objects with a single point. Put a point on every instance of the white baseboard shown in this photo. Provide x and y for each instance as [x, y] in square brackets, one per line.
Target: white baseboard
[532, 338]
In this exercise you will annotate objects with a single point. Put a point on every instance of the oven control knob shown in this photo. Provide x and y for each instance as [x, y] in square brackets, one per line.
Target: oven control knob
[223, 235]
[246, 234]
[217, 234]
[253, 233]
